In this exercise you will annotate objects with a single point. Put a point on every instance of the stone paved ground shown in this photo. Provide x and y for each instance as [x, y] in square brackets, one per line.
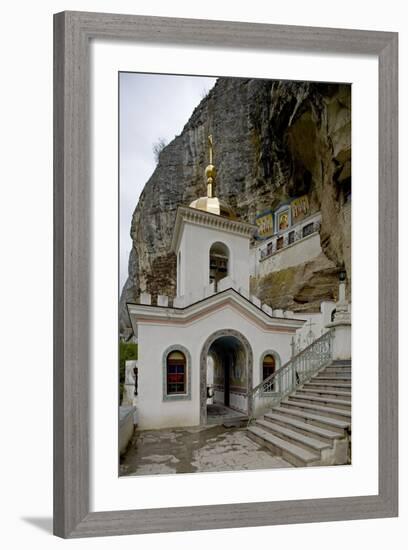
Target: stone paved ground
[196, 449]
[218, 414]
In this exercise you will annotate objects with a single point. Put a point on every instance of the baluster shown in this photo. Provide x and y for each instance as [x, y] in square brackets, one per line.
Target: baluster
[292, 377]
[292, 381]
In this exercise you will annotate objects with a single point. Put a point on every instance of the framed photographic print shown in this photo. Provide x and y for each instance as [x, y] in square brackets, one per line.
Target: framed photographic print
[225, 215]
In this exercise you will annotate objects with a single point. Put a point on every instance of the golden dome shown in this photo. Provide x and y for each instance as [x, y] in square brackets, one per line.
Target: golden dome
[214, 206]
[210, 203]
[210, 172]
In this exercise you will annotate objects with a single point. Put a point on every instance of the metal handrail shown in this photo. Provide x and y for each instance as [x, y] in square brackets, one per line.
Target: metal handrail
[289, 364]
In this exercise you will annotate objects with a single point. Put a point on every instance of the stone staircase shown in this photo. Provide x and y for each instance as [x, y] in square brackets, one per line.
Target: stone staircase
[312, 426]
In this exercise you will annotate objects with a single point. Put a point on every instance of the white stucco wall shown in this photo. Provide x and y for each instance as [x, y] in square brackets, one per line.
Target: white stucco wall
[195, 244]
[342, 342]
[155, 338]
[238, 401]
[127, 421]
[319, 322]
[294, 254]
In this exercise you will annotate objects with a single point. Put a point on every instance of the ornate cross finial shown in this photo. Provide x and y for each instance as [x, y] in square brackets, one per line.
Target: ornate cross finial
[210, 170]
[210, 148]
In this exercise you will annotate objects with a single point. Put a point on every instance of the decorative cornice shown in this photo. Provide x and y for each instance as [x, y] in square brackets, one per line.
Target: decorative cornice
[207, 219]
[184, 316]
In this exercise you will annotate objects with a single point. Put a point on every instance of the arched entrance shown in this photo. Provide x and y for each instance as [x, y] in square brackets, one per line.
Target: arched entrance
[231, 361]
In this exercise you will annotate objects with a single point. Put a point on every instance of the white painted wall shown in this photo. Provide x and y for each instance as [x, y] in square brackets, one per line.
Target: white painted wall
[154, 339]
[319, 321]
[238, 401]
[294, 254]
[126, 427]
[342, 342]
[195, 244]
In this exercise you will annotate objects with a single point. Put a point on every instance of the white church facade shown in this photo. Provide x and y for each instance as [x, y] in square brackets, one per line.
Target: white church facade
[214, 337]
[215, 342]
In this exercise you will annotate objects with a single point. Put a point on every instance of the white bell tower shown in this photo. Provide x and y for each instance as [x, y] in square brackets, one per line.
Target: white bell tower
[211, 245]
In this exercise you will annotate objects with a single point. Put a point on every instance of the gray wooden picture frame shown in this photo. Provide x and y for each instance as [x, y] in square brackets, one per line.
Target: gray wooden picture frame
[72, 204]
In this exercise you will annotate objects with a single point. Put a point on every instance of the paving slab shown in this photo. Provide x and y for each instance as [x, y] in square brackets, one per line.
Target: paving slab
[196, 449]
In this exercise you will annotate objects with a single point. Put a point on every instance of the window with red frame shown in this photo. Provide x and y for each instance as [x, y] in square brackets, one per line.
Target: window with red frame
[176, 373]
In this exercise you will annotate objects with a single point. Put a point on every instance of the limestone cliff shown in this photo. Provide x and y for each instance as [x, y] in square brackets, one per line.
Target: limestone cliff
[273, 140]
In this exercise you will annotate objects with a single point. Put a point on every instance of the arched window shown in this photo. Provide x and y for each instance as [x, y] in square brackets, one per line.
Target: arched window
[268, 366]
[176, 373]
[219, 262]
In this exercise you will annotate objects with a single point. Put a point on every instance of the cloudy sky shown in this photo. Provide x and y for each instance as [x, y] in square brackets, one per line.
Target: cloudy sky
[150, 107]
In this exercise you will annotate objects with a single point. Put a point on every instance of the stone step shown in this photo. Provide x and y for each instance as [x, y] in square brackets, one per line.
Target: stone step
[332, 378]
[325, 393]
[332, 385]
[323, 434]
[337, 371]
[296, 455]
[326, 372]
[307, 398]
[331, 412]
[341, 426]
[306, 441]
[340, 362]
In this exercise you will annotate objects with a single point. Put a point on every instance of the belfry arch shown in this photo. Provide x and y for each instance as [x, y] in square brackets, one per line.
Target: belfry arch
[226, 344]
[219, 262]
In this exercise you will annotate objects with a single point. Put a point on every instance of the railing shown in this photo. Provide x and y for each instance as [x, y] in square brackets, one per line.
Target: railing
[298, 370]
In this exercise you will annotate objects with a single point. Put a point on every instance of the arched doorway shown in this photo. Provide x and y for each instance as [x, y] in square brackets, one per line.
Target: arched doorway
[232, 363]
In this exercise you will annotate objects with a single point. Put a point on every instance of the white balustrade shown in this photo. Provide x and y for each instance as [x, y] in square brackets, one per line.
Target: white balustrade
[145, 299]
[162, 300]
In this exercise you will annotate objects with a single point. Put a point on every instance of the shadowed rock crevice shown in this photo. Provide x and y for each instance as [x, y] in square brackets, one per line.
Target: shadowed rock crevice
[299, 288]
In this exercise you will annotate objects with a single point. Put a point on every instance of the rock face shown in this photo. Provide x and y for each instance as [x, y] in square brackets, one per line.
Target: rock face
[273, 140]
